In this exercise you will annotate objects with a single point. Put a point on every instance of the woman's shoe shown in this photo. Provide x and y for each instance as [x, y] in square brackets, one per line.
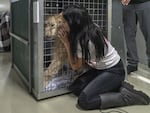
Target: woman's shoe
[125, 97]
[132, 96]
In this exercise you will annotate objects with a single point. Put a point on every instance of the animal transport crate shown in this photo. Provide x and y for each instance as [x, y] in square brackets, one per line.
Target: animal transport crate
[32, 52]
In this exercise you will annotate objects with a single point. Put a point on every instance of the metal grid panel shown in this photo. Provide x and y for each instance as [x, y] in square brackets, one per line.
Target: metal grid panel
[64, 76]
[98, 11]
[96, 8]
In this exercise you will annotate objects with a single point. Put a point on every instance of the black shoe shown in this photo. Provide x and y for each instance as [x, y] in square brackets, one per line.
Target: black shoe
[132, 96]
[148, 64]
[131, 69]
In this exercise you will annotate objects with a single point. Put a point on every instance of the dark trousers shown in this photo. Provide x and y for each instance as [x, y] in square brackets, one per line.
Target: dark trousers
[131, 15]
[93, 83]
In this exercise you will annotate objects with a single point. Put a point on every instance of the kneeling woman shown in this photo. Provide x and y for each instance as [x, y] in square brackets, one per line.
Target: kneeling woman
[103, 85]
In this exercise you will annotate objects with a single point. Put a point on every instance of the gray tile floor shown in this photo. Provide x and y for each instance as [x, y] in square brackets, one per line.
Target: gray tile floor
[14, 97]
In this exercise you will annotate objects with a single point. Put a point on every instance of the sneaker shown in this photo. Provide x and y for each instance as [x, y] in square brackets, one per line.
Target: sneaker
[132, 96]
[131, 69]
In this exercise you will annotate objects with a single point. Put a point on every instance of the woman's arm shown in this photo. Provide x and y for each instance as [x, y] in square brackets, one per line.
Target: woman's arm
[76, 63]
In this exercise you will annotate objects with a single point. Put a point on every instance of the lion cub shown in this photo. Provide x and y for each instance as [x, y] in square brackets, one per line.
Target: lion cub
[59, 57]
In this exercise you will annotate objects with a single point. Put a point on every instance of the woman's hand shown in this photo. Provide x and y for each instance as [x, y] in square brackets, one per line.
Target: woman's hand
[76, 63]
[63, 35]
[125, 2]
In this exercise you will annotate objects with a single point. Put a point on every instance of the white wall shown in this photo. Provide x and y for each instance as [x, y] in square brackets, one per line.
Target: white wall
[4, 5]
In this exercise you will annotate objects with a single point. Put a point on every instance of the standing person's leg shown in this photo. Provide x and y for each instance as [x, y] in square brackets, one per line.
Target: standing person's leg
[144, 20]
[130, 28]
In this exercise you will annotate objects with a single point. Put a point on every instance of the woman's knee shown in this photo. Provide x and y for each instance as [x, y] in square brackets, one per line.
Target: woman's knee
[84, 102]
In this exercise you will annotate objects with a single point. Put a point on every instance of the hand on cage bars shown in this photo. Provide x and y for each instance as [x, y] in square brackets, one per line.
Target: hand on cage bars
[125, 2]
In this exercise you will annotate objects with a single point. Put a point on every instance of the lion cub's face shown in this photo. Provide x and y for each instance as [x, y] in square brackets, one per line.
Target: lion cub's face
[52, 24]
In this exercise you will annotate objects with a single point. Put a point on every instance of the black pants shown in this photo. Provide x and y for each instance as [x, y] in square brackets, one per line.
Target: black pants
[92, 83]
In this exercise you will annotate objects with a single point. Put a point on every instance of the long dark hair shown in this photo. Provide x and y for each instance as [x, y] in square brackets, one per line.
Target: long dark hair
[83, 30]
